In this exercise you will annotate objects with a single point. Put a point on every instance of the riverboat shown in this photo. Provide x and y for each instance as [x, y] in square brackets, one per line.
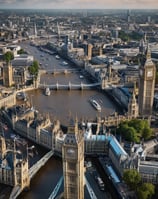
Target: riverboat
[96, 105]
[47, 91]
[21, 96]
[57, 57]
[64, 63]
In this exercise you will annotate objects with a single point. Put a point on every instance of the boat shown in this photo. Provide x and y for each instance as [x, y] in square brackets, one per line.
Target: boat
[96, 105]
[21, 96]
[81, 76]
[64, 63]
[57, 57]
[47, 91]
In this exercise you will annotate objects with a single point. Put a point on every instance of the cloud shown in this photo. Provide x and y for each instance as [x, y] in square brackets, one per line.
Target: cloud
[79, 4]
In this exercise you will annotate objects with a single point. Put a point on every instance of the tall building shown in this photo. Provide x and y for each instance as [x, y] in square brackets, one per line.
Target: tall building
[7, 75]
[146, 84]
[73, 163]
[35, 30]
[2, 147]
[133, 106]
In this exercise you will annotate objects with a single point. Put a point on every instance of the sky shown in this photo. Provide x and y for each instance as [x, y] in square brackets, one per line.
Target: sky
[80, 4]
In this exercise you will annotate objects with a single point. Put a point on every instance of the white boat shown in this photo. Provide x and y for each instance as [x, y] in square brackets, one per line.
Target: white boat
[64, 63]
[21, 96]
[96, 105]
[57, 57]
[81, 76]
[47, 91]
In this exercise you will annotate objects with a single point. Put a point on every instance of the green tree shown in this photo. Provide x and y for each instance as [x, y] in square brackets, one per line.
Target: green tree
[147, 133]
[132, 178]
[21, 51]
[138, 125]
[8, 56]
[145, 191]
[131, 135]
[134, 130]
[123, 36]
[34, 69]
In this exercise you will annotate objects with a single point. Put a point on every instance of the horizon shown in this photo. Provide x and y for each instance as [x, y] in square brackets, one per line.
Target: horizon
[79, 4]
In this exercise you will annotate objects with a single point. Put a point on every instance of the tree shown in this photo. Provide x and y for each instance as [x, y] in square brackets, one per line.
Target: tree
[138, 125]
[134, 130]
[8, 56]
[131, 135]
[145, 191]
[21, 51]
[33, 69]
[132, 178]
[147, 133]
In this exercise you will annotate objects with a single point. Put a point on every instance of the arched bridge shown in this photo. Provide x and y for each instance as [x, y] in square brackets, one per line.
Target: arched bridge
[69, 86]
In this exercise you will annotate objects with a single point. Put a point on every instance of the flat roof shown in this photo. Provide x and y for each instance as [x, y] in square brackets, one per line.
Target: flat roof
[117, 147]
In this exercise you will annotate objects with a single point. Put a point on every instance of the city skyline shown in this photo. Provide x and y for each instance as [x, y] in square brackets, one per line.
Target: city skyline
[79, 4]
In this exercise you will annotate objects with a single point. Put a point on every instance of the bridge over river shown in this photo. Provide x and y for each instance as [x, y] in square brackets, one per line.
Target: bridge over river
[69, 86]
[32, 171]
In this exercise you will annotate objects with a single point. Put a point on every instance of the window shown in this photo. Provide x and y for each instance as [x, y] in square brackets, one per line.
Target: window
[71, 166]
[72, 179]
[72, 190]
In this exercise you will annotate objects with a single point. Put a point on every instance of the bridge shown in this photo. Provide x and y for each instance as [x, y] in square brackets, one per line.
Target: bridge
[62, 71]
[15, 192]
[90, 190]
[69, 86]
[32, 171]
[56, 189]
[58, 185]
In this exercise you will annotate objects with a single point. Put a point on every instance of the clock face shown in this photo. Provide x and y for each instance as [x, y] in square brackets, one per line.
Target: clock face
[150, 73]
[71, 152]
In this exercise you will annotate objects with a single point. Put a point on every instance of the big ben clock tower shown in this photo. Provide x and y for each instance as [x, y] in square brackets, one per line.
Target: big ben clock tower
[73, 163]
[146, 85]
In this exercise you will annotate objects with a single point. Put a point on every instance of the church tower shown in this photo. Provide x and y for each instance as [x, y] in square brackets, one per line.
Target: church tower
[2, 147]
[146, 85]
[133, 106]
[73, 163]
[7, 75]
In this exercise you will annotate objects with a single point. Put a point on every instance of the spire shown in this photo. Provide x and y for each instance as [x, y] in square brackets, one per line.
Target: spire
[148, 52]
[145, 40]
[133, 96]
